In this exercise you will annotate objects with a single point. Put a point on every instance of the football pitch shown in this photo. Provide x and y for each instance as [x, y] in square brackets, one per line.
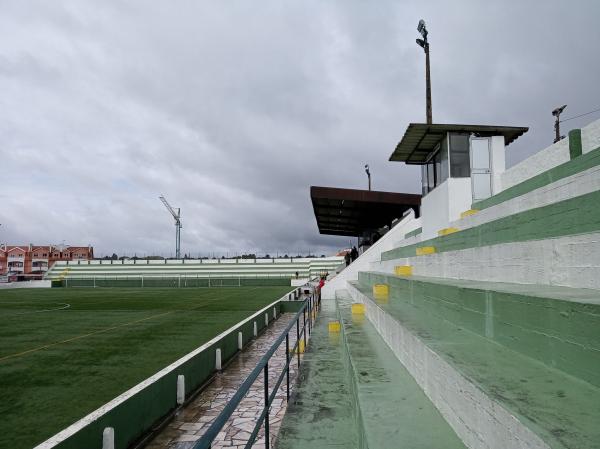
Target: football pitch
[65, 352]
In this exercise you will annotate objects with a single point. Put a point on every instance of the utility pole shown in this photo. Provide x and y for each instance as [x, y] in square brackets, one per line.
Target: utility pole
[368, 175]
[424, 43]
[556, 113]
[178, 226]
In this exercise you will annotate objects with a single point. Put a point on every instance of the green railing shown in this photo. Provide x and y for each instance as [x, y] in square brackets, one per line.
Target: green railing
[306, 315]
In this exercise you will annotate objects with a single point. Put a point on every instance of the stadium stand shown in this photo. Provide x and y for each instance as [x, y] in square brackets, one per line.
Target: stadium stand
[190, 272]
[494, 320]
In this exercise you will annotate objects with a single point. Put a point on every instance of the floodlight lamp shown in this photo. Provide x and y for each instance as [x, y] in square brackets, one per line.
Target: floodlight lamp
[421, 42]
[559, 110]
[422, 29]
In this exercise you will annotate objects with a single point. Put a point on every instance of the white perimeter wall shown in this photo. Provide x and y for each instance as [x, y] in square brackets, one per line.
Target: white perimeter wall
[550, 157]
[27, 284]
[444, 204]
[590, 136]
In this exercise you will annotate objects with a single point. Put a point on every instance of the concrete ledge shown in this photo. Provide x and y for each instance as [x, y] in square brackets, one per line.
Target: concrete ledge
[26, 284]
[480, 422]
[570, 261]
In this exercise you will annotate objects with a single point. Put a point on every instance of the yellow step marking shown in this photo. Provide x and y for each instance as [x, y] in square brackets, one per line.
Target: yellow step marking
[447, 231]
[424, 250]
[403, 270]
[358, 308]
[468, 213]
[334, 326]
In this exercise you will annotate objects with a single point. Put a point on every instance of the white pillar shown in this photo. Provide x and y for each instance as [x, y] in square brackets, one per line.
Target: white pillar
[180, 389]
[266, 318]
[498, 162]
[108, 438]
[240, 341]
[255, 329]
[274, 313]
[218, 359]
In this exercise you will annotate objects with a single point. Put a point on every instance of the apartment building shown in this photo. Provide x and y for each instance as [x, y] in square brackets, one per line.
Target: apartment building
[32, 262]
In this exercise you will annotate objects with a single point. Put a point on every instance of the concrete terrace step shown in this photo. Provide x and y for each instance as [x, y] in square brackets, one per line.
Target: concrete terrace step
[507, 366]
[577, 215]
[393, 408]
[572, 261]
[322, 414]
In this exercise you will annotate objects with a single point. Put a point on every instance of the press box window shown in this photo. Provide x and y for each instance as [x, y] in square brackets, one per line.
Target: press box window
[459, 156]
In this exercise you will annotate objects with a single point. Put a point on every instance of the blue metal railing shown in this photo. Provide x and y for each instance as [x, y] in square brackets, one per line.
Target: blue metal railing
[306, 314]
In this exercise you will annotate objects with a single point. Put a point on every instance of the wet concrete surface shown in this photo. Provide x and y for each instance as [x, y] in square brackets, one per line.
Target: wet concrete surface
[322, 414]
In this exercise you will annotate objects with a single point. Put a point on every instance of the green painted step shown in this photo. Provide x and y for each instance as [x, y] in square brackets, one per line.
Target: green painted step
[392, 406]
[577, 215]
[535, 354]
[575, 165]
[322, 413]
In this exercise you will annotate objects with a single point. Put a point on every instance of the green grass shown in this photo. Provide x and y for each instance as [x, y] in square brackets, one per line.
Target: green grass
[58, 365]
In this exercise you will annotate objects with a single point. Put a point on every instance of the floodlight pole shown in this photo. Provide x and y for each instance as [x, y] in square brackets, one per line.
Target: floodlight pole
[556, 113]
[428, 81]
[424, 43]
[368, 175]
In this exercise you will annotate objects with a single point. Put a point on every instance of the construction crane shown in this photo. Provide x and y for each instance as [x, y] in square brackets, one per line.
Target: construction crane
[177, 217]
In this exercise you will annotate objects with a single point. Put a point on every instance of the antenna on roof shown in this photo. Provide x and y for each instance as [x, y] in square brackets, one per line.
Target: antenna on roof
[177, 217]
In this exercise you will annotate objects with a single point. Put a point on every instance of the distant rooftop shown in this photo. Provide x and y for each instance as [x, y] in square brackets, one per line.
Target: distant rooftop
[420, 139]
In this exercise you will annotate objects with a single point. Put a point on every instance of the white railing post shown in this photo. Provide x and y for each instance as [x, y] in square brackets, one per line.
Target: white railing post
[240, 341]
[180, 389]
[255, 329]
[266, 318]
[218, 359]
[108, 438]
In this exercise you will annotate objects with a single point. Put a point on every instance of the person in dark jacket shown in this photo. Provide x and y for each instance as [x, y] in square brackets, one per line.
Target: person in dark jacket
[354, 253]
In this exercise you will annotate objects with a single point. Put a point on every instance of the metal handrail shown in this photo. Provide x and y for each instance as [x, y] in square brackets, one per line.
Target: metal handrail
[263, 366]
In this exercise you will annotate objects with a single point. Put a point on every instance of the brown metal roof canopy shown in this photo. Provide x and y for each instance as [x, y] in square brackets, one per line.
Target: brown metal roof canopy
[351, 212]
[420, 139]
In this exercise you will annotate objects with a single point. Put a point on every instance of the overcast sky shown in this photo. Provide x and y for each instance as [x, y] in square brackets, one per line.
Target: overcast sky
[232, 109]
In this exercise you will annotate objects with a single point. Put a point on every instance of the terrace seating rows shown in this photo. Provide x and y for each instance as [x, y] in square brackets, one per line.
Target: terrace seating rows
[496, 319]
[391, 405]
[506, 367]
[194, 268]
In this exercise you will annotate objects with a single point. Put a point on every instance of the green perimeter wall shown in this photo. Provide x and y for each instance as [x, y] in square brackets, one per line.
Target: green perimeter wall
[133, 417]
[413, 233]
